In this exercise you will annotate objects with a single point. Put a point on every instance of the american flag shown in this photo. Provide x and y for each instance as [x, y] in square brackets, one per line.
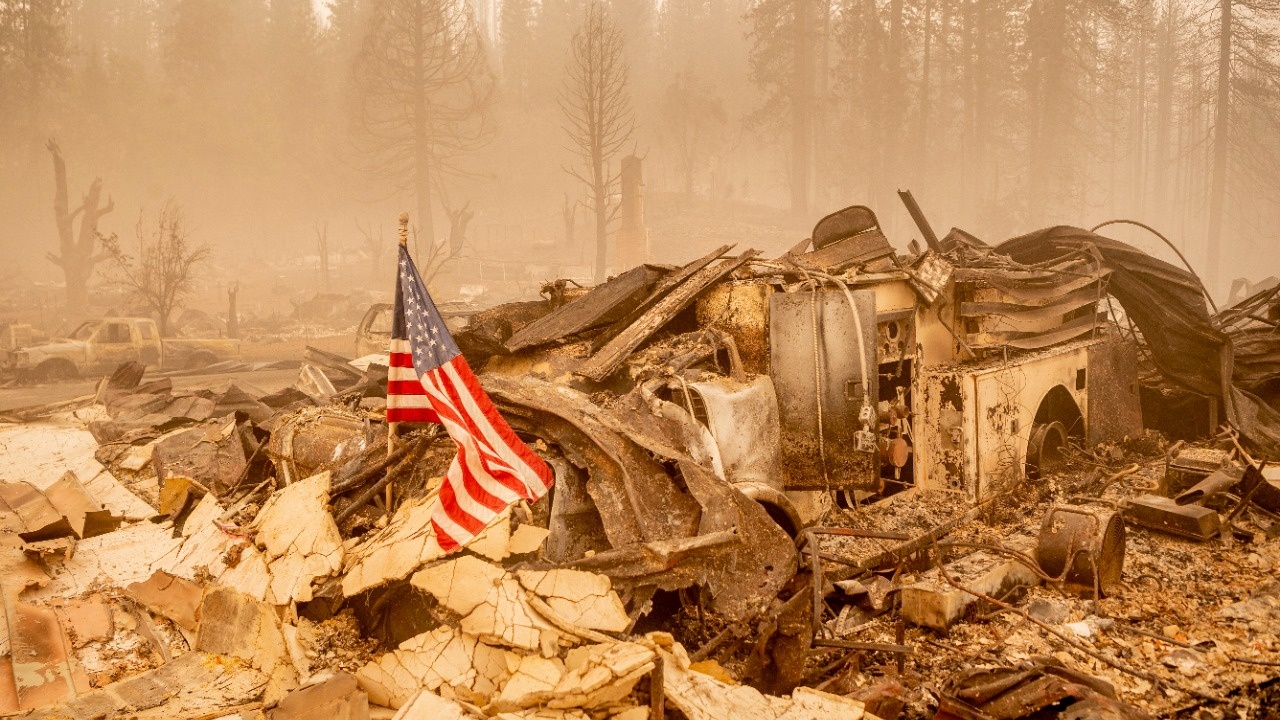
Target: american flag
[429, 381]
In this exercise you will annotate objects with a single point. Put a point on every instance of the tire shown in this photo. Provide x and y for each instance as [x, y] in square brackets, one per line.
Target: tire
[1045, 449]
[56, 370]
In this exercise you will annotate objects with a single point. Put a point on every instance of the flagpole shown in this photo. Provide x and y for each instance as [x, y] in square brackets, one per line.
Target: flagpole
[394, 427]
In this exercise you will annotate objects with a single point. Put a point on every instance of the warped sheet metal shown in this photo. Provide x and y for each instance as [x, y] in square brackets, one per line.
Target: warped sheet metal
[1029, 309]
[708, 532]
[64, 509]
[1167, 305]
[1164, 301]
[637, 500]
[1059, 333]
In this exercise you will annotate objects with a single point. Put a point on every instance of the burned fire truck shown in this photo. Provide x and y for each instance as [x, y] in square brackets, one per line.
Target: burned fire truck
[838, 373]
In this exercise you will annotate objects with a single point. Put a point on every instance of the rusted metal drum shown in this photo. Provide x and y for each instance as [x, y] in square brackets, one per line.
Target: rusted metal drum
[1090, 541]
[314, 438]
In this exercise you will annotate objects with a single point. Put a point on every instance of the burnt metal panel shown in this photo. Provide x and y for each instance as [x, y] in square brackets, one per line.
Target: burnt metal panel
[942, 430]
[1111, 383]
[832, 460]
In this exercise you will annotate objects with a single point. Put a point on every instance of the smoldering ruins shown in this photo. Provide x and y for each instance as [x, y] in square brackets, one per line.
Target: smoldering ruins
[1003, 447]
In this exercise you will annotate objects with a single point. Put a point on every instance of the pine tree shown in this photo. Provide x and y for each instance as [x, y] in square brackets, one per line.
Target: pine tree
[424, 94]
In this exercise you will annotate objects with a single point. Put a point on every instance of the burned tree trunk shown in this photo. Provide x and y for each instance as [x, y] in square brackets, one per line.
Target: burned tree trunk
[458, 221]
[233, 317]
[1221, 144]
[76, 249]
[570, 216]
[322, 247]
[598, 117]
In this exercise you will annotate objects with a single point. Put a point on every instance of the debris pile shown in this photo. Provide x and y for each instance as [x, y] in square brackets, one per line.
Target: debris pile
[836, 484]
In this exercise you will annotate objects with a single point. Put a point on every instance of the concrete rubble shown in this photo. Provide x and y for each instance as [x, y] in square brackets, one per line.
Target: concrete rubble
[840, 483]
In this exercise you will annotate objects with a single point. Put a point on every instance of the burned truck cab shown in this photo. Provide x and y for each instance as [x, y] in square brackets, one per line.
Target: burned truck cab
[953, 371]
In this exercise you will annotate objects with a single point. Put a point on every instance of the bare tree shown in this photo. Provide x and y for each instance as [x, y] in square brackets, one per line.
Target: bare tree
[161, 276]
[459, 219]
[424, 92]
[322, 247]
[438, 254]
[598, 118]
[76, 255]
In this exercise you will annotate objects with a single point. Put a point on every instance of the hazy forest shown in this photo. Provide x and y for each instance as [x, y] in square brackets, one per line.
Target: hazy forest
[281, 126]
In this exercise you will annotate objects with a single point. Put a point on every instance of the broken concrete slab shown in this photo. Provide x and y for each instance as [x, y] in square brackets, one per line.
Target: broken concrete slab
[934, 603]
[494, 540]
[602, 675]
[408, 542]
[336, 696]
[441, 658]
[532, 684]
[702, 697]
[41, 453]
[235, 624]
[582, 598]
[194, 685]
[120, 558]
[505, 617]
[460, 584]
[426, 705]
[301, 539]
[526, 539]
[170, 596]
[392, 553]
[224, 553]
[543, 714]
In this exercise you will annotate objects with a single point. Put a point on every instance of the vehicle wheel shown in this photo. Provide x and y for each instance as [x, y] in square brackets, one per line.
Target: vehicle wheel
[201, 360]
[56, 370]
[1045, 449]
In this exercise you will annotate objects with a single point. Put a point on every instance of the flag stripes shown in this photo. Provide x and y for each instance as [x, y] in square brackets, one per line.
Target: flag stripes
[428, 380]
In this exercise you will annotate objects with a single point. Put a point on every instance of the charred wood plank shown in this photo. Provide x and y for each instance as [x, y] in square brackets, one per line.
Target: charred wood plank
[667, 285]
[609, 357]
[605, 303]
